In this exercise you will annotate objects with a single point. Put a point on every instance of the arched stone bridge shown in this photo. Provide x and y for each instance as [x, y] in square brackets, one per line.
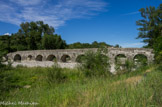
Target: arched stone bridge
[61, 55]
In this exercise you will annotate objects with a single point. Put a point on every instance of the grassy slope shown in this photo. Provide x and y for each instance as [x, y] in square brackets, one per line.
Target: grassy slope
[136, 89]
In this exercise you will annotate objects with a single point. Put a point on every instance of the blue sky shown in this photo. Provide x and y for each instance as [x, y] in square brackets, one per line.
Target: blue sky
[85, 21]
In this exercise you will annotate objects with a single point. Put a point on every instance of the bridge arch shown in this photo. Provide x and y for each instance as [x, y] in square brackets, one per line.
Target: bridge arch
[51, 57]
[29, 57]
[17, 58]
[39, 58]
[80, 58]
[65, 58]
[120, 58]
[140, 59]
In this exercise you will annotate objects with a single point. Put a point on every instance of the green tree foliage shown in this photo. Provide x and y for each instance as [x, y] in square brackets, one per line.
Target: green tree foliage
[117, 46]
[158, 50]
[18, 42]
[151, 29]
[32, 36]
[53, 42]
[5, 44]
[48, 41]
[151, 25]
[95, 44]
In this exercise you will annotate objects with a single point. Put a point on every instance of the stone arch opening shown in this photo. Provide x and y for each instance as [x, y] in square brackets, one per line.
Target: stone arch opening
[80, 58]
[29, 58]
[51, 58]
[120, 59]
[17, 58]
[39, 58]
[140, 59]
[65, 58]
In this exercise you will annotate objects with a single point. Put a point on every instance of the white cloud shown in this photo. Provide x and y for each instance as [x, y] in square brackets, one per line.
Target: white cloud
[54, 13]
[132, 45]
[7, 34]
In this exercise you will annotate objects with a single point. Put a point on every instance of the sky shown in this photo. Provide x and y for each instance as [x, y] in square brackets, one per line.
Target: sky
[85, 21]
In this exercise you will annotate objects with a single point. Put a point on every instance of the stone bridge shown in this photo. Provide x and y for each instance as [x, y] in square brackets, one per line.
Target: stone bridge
[70, 55]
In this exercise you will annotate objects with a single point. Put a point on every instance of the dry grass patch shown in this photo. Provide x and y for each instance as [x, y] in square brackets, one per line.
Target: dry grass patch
[131, 80]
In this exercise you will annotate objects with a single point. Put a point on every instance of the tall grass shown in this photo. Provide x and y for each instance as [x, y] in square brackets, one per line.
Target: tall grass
[78, 90]
[55, 75]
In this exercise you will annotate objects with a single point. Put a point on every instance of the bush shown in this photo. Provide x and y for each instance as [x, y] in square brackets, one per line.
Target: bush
[95, 63]
[55, 75]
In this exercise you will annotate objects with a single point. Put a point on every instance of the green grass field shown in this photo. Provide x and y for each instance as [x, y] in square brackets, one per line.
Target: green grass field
[51, 87]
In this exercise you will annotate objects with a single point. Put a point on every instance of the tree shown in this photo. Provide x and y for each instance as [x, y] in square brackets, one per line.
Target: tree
[94, 44]
[59, 43]
[18, 42]
[32, 33]
[33, 36]
[151, 29]
[53, 42]
[158, 49]
[151, 25]
[117, 46]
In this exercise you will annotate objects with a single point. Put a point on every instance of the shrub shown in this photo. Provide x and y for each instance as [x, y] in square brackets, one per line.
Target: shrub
[95, 63]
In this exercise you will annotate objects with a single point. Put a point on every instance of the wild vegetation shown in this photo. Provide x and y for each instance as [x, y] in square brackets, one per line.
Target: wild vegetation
[72, 87]
[136, 83]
